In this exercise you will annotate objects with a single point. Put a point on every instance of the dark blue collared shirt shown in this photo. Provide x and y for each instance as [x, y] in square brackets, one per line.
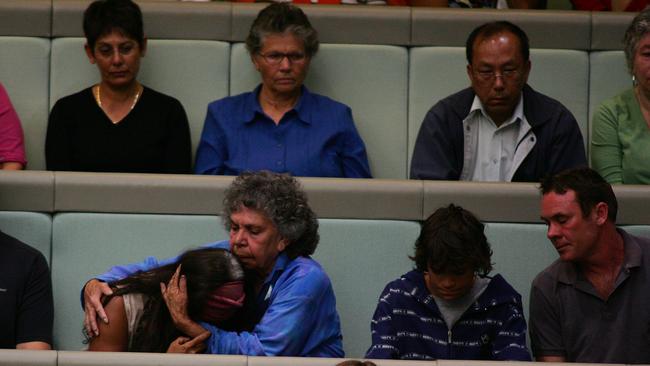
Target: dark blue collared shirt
[317, 138]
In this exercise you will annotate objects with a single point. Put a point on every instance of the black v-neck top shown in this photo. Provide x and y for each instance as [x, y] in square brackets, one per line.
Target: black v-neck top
[153, 138]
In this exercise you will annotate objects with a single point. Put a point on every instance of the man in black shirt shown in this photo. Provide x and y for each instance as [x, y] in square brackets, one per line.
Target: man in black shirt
[26, 305]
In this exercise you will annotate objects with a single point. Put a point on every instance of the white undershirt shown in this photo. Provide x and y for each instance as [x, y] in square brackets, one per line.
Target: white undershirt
[495, 147]
[452, 310]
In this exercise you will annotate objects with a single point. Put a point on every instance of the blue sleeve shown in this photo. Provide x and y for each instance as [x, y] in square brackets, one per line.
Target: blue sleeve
[286, 324]
[354, 157]
[212, 151]
[381, 328]
[232, 343]
[510, 340]
[121, 271]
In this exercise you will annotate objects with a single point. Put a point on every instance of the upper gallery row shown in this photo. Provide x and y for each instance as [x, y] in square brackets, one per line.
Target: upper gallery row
[499, 129]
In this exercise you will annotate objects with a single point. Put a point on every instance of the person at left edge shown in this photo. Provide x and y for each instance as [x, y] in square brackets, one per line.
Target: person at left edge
[281, 126]
[26, 304]
[290, 307]
[12, 145]
[118, 125]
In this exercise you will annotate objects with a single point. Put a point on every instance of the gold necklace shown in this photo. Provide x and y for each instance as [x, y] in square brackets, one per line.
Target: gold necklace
[98, 97]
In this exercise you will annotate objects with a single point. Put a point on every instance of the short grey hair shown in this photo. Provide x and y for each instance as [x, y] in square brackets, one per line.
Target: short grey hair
[280, 18]
[639, 27]
[280, 198]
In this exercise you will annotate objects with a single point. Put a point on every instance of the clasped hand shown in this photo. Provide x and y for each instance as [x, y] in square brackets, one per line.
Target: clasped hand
[189, 345]
[175, 295]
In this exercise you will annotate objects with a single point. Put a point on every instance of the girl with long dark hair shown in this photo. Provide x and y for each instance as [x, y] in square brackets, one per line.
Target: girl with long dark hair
[140, 320]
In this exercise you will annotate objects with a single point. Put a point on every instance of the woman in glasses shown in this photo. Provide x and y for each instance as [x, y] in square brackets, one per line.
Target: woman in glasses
[118, 125]
[281, 126]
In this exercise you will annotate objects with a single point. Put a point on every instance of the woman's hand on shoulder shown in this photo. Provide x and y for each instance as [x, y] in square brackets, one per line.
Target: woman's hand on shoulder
[93, 292]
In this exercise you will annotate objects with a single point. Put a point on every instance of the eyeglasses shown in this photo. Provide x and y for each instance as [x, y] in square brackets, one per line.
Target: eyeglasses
[491, 76]
[274, 58]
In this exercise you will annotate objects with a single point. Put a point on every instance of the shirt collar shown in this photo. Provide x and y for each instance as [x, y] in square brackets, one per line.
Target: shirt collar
[633, 253]
[303, 107]
[476, 105]
[567, 273]
[632, 258]
[517, 115]
[281, 263]
[252, 106]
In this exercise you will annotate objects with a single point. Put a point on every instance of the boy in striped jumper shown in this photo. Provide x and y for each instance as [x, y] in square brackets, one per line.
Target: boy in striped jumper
[447, 307]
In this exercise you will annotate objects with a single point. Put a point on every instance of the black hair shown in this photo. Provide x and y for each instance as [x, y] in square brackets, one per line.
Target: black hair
[490, 29]
[205, 270]
[452, 241]
[105, 16]
[590, 189]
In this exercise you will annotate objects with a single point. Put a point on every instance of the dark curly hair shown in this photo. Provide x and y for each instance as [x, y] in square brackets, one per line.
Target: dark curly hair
[281, 199]
[279, 18]
[205, 269]
[451, 242]
[589, 187]
[105, 16]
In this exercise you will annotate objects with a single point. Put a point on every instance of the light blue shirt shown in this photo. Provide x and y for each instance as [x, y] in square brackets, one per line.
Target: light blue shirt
[298, 306]
[317, 138]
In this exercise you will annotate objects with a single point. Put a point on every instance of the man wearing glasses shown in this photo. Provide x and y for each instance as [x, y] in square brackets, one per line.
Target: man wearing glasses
[499, 129]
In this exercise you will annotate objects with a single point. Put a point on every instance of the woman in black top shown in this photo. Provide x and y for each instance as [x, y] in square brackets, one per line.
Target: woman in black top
[118, 125]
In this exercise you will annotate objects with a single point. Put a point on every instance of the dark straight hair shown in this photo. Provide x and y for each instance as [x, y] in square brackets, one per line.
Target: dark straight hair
[105, 16]
[493, 28]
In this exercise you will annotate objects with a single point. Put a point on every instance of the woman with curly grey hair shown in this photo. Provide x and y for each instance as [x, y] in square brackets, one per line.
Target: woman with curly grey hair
[281, 126]
[290, 307]
[279, 198]
[620, 138]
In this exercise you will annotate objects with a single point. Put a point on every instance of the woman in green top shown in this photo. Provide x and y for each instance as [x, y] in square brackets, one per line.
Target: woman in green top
[620, 139]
